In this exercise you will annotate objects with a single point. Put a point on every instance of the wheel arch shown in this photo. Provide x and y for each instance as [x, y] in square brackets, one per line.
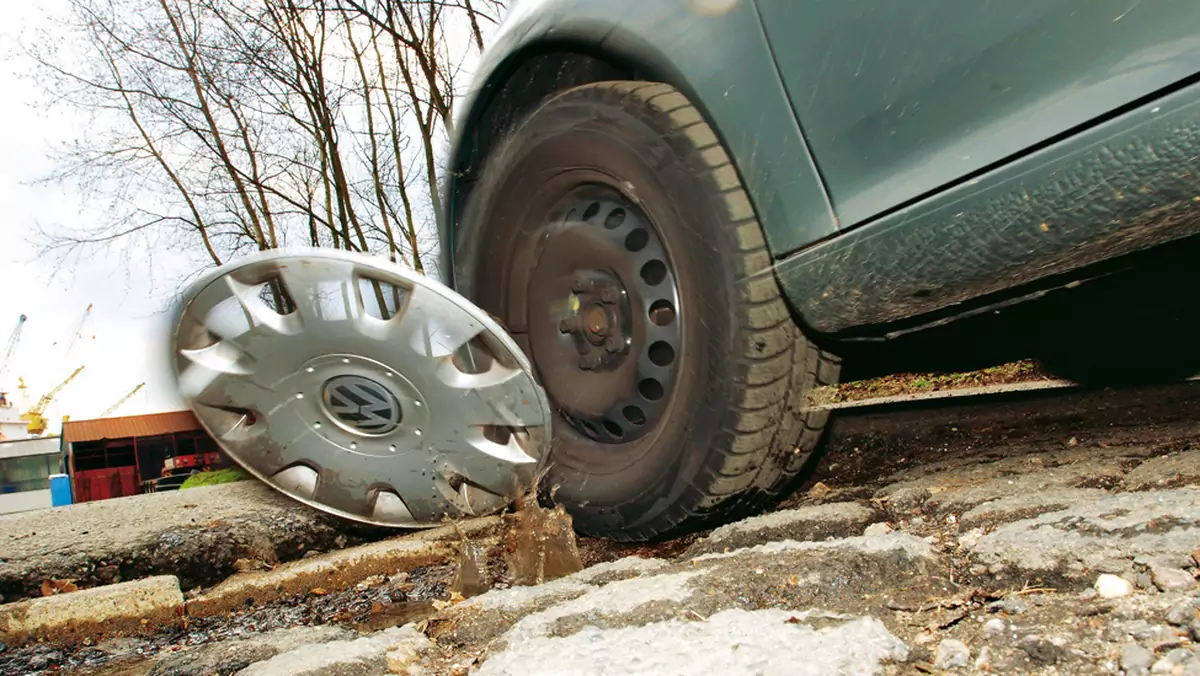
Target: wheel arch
[515, 88]
[719, 61]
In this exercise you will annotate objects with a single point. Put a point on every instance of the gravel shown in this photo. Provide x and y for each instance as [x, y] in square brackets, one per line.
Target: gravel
[1136, 660]
[951, 654]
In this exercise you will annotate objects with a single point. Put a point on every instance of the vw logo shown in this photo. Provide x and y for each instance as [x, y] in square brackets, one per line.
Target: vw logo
[361, 405]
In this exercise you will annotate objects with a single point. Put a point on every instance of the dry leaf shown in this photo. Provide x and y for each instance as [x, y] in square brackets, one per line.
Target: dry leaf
[455, 597]
[819, 489]
[51, 587]
[319, 591]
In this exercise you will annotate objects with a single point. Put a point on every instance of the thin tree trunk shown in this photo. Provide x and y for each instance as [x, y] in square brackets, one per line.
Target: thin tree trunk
[426, 129]
[410, 228]
[218, 137]
[376, 172]
[173, 177]
[475, 32]
[256, 177]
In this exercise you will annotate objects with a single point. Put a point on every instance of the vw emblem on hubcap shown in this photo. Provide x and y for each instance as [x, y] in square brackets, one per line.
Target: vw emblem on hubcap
[361, 405]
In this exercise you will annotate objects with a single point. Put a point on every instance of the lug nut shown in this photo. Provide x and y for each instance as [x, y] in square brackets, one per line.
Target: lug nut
[610, 295]
[569, 325]
[614, 344]
[580, 284]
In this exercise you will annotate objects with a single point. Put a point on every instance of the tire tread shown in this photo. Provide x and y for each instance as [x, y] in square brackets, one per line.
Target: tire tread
[769, 438]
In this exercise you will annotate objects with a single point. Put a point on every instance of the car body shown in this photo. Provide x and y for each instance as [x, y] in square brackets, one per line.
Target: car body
[910, 164]
[1004, 159]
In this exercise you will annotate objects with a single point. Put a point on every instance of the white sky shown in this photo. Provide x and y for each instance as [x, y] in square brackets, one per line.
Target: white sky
[127, 319]
[125, 340]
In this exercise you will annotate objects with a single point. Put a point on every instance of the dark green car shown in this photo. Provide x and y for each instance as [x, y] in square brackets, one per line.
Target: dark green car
[684, 209]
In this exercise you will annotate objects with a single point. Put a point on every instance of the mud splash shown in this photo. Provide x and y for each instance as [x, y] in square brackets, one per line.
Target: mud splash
[540, 544]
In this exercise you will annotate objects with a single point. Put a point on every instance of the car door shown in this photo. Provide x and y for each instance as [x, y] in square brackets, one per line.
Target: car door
[898, 99]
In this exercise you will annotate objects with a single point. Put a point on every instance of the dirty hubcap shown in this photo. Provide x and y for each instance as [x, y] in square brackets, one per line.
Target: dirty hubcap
[359, 387]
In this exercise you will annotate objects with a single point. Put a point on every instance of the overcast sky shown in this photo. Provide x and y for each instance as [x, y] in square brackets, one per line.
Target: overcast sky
[126, 321]
[125, 339]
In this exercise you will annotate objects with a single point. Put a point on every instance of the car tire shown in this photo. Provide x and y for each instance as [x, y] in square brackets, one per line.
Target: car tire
[729, 429]
[1122, 330]
[1111, 359]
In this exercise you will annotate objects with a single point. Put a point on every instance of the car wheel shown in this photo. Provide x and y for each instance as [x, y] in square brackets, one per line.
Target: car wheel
[1122, 330]
[612, 236]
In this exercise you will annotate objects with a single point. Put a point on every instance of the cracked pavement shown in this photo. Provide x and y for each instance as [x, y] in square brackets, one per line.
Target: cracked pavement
[1056, 551]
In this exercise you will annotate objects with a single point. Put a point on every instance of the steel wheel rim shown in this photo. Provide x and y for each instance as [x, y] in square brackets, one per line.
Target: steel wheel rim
[449, 421]
[620, 242]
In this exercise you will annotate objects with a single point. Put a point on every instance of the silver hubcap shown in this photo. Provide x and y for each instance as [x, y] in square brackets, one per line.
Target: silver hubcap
[360, 388]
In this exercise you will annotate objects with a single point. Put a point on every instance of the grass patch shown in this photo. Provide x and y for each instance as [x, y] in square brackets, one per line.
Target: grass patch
[221, 476]
[914, 383]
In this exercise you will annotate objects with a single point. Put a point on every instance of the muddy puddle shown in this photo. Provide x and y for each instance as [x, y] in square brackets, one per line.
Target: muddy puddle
[536, 545]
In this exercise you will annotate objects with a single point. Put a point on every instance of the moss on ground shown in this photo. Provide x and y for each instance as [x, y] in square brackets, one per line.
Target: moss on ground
[221, 476]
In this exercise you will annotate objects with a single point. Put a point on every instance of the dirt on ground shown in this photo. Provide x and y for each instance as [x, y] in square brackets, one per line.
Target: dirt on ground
[1053, 535]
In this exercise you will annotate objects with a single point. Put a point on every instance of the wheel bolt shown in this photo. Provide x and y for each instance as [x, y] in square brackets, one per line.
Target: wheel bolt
[586, 363]
[580, 284]
[569, 325]
[614, 344]
[610, 295]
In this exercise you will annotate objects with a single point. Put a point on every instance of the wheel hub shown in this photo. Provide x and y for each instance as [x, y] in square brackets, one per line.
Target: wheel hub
[605, 285]
[598, 313]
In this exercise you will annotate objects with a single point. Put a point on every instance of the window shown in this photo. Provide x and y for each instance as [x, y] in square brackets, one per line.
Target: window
[27, 473]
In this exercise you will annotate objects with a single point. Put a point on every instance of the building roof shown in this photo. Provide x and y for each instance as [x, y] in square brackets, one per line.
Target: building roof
[16, 448]
[75, 431]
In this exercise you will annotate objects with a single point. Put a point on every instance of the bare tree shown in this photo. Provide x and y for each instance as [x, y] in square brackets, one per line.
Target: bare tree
[233, 125]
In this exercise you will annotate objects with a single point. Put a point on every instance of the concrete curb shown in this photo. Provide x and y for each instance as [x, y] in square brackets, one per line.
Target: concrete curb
[332, 572]
[151, 604]
[197, 535]
[140, 607]
[952, 393]
[473, 529]
[810, 523]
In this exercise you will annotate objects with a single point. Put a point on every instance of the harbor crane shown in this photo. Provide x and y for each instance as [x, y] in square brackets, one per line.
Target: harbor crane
[121, 401]
[10, 348]
[35, 417]
[76, 334]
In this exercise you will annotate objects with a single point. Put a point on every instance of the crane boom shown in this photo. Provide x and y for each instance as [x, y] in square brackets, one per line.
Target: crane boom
[77, 333]
[11, 347]
[122, 400]
[34, 417]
